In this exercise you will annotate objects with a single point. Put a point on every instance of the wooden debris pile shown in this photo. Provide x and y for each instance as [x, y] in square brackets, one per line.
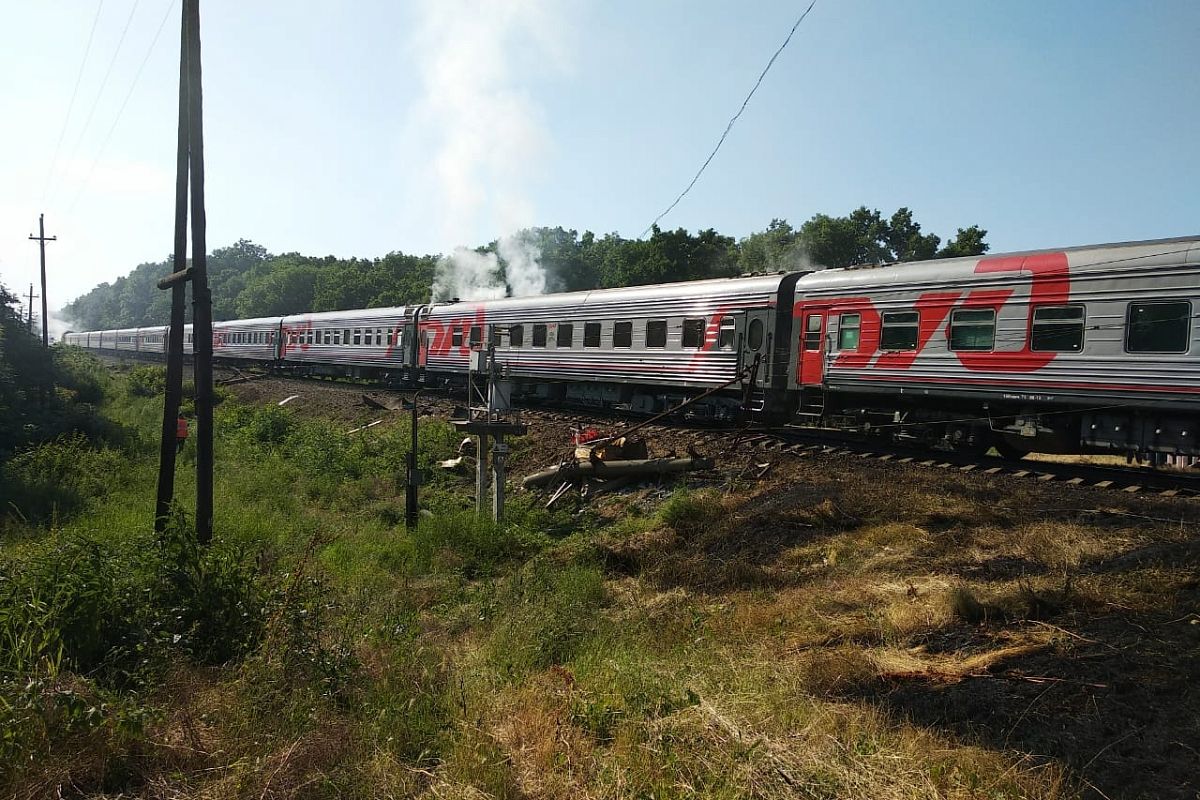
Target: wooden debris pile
[598, 466]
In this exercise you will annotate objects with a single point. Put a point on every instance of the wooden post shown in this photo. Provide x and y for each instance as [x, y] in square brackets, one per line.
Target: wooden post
[174, 387]
[202, 345]
[32, 297]
[41, 239]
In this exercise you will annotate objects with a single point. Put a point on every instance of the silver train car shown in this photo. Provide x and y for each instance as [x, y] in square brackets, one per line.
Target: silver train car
[1092, 347]
[1089, 349]
[368, 343]
[630, 349]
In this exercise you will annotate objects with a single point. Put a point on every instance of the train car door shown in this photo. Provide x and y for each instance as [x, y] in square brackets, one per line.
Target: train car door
[758, 343]
[813, 325]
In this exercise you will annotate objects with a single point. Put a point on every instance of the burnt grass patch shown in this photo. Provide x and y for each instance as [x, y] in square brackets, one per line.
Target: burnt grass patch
[1092, 595]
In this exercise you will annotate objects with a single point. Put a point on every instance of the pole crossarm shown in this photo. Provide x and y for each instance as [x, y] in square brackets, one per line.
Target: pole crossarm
[169, 282]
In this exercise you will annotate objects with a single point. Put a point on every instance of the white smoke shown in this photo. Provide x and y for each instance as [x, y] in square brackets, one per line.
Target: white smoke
[522, 265]
[57, 326]
[470, 275]
[491, 137]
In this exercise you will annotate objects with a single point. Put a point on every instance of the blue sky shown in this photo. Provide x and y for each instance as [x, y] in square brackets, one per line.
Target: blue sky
[358, 128]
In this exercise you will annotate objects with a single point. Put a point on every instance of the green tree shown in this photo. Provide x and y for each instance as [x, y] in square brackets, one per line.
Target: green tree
[904, 239]
[777, 248]
[967, 242]
[865, 237]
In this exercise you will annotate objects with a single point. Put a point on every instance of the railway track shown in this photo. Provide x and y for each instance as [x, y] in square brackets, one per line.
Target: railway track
[796, 442]
[819, 443]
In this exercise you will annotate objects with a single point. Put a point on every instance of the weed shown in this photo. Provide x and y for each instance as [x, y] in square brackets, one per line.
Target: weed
[146, 381]
[689, 513]
[58, 477]
[543, 616]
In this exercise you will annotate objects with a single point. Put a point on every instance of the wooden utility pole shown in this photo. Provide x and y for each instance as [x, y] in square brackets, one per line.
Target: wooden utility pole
[189, 163]
[41, 239]
[201, 298]
[174, 387]
[32, 297]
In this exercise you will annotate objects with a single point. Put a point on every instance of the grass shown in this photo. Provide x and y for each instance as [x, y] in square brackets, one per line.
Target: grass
[825, 632]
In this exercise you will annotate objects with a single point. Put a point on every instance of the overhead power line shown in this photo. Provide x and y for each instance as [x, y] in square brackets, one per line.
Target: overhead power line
[732, 120]
[71, 105]
[104, 82]
[121, 110]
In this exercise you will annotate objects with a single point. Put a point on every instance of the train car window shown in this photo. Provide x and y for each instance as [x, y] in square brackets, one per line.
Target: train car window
[693, 334]
[1158, 327]
[973, 329]
[539, 335]
[754, 337]
[1057, 329]
[726, 334]
[456, 337]
[622, 334]
[345, 336]
[328, 336]
[812, 331]
[899, 330]
[656, 333]
[516, 336]
[357, 336]
[849, 331]
[565, 336]
[591, 334]
[476, 338]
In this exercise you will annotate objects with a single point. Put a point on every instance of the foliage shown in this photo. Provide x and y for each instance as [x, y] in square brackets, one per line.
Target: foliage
[146, 381]
[118, 612]
[865, 237]
[57, 477]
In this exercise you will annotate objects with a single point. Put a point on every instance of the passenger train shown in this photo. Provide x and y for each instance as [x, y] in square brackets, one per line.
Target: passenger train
[1087, 349]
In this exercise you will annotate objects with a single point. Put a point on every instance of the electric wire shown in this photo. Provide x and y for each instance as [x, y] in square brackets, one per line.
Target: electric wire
[71, 105]
[104, 82]
[732, 120]
[124, 103]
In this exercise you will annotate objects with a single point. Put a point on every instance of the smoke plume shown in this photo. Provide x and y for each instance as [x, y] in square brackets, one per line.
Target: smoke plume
[491, 134]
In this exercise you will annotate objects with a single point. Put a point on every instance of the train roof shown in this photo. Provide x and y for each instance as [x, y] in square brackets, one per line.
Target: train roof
[242, 322]
[347, 315]
[711, 289]
[1120, 256]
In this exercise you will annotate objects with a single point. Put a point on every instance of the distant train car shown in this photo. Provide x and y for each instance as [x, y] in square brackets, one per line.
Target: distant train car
[153, 340]
[367, 343]
[125, 340]
[247, 339]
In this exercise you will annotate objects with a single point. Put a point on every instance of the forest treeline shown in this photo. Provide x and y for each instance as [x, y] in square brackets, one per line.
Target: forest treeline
[247, 281]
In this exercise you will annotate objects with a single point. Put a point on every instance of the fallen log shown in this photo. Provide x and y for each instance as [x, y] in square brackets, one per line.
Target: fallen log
[617, 469]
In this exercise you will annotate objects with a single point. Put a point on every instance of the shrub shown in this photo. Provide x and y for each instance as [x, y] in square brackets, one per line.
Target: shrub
[117, 614]
[57, 477]
[147, 381]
